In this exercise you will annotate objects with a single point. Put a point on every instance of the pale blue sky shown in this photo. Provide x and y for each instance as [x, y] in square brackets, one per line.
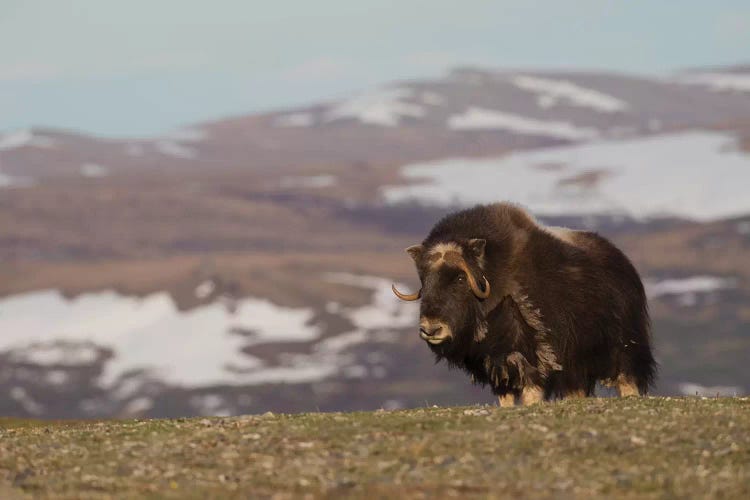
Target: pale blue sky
[142, 67]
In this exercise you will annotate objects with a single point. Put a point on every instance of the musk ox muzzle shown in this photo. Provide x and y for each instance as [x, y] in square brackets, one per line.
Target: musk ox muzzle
[434, 331]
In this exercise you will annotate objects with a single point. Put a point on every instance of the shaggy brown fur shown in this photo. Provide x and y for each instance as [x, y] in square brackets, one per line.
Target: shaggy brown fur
[566, 308]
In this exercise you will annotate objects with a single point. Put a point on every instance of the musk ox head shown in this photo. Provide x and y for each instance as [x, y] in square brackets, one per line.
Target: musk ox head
[453, 287]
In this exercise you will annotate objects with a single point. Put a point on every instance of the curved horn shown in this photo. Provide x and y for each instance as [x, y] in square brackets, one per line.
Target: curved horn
[479, 292]
[403, 296]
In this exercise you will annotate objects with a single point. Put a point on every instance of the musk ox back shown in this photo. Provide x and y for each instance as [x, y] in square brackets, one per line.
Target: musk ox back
[535, 312]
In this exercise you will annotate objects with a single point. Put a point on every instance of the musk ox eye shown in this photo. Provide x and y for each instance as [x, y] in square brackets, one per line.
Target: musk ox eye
[461, 278]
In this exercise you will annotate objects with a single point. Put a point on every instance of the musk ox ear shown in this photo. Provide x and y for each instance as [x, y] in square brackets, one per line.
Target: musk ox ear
[476, 245]
[415, 251]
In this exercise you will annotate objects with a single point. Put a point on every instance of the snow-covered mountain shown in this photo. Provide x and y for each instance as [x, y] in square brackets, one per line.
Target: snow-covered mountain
[244, 264]
[469, 112]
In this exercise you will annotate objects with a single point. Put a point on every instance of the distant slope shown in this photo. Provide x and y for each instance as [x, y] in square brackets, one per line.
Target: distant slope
[634, 448]
[468, 112]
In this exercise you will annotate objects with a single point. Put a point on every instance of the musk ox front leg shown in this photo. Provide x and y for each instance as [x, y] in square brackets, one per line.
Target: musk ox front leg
[506, 400]
[529, 380]
[514, 378]
[532, 394]
[576, 394]
[531, 359]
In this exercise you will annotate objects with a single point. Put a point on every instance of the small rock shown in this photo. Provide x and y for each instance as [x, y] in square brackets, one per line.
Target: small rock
[563, 485]
[477, 413]
[444, 461]
[539, 427]
[268, 414]
[726, 451]
[386, 464]
[638, 441]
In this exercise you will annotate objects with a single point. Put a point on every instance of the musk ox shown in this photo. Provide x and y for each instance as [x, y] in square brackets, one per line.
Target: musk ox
[535, 312]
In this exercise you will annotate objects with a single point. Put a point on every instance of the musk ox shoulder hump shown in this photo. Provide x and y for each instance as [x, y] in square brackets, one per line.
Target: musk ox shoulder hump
[569, 236]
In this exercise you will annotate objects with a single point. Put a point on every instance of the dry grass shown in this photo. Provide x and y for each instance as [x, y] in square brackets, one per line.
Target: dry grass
[634, 448]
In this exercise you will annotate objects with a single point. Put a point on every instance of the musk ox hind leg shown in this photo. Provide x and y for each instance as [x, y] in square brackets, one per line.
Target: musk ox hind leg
[637, 367]
[527, 379]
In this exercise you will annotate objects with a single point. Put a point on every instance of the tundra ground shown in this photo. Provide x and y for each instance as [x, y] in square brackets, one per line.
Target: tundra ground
[635, 448]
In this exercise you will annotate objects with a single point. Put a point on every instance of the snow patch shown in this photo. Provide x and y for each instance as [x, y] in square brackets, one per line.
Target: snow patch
[383, 313]
[175, 149]
[431, 98]
[55, 353]
[22, 397]
[141, 343]
[128, 387]
[200, 347]
[171, 144]
[384, 107]
[355, 371]
[375, 322]
[690, 389]
[294, 120]
[691, 285]
[205, 289]
[24, 138]
[138, 406]
[12, 181]
[487, 119]
[393, 404]
[340, 343]
[308, 181]
[56, 377]
[94, 170]
[210, 405]
[719, 82]
[611, 177]
[551, 92]
[304, 369]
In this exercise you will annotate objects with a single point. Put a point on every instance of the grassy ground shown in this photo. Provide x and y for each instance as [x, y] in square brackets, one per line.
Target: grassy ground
[655, 447]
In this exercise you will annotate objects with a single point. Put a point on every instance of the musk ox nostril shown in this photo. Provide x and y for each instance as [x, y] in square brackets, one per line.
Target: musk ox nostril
[430, 331]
